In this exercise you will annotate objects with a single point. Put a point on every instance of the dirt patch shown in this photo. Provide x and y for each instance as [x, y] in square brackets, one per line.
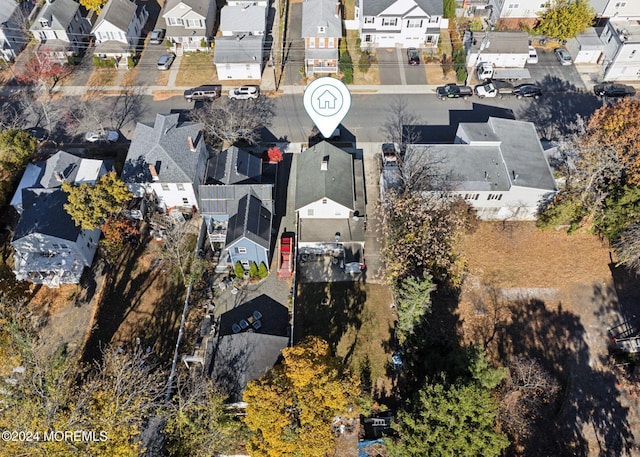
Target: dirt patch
[102, 77]
[552, 297]
[357, 321]
[165, 94]
[196, 68]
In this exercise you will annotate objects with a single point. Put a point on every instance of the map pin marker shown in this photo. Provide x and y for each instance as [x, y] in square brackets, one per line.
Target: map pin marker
[327, 101]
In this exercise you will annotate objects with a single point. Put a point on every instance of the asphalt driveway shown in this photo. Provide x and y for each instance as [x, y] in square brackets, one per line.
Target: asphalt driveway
[394, 69]
[548, 71]
[294, 49]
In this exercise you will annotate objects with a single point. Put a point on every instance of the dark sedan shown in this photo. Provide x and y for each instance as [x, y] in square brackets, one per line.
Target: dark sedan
[613, 90]
[527, 90]
[413, 55]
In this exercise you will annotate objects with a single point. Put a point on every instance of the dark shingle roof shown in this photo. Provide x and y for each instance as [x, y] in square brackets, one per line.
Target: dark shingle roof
[118, 13]
[165, 145]
[336, 183]
[252, 220]
[234, 166]
[44, 213]
[375, 7]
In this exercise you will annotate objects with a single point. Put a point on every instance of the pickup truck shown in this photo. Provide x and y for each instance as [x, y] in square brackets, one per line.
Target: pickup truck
[453, 91]
[613, 90]
[494, 89]
[486, 71]
[285, 267]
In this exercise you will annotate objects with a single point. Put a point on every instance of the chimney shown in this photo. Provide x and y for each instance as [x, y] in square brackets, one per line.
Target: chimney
[337, 13]
[154, 173]
[324, 166]
[192, 148]
[58, 176]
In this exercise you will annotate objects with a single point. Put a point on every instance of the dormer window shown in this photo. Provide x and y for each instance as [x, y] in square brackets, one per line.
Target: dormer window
[44, 22]
[322, 29]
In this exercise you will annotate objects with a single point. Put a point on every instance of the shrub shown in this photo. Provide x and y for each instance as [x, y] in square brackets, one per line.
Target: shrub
[104, 63]
[364, 63]
[239, 270]
[131, 61]
[263, 271]
[345, 64]
[203, 43]
[253, 270]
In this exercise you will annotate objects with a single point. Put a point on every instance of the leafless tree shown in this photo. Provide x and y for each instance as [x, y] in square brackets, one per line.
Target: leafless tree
[127, 107]
[230, 121]
[401, 126]
[178, 246]
[424, 168]
[627, 247]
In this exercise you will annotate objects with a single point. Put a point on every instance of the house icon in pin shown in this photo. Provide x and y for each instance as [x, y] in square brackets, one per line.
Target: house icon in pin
[327, 100]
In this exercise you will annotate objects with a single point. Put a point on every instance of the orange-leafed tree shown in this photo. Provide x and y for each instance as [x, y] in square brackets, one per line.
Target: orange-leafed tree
[618, 126]
[290, 409]
[274, 154]
[115, 230]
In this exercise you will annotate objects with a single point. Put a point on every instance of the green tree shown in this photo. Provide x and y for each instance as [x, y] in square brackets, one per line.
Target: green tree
[414, 304]
[449, 9]
[364, 62]
[345, 64]
[90, 205]
[566, 19]
[197, 424]
[16, 146]
[289, 410]
[253, 270]
[239, 270]
[263, 271]
[450, 421]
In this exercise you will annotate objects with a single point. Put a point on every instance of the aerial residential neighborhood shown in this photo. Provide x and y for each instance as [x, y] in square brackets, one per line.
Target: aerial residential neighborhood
[394, 228]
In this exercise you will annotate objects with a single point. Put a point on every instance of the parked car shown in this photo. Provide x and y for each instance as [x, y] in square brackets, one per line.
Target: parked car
[494, 89]
[38, 133]
[527, 90]
[453, 91]
[563, 56]
[613, 90]
[165, 61]
[110, 136]
[533, 55]
[203, 93]
[157, 36]
[244, 93]
[414, 56]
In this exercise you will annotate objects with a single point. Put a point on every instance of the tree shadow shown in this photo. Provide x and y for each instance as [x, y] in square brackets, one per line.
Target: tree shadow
[589, 409]
[555, 113]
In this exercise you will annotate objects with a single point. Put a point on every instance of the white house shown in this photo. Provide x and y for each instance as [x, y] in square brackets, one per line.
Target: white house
[60, 29]
[118, 30]
[498, 167]
[321, 30]
[586, 48]
[239, 52]
[329, 196]
[621, 51]
[167, 160]
[622, 9]
[13, 16]
[190, 23]
[406, 23]
[502, 49]
[49, 248]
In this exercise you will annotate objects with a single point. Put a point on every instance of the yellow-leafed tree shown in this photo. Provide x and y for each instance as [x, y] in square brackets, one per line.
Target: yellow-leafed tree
[290, 409]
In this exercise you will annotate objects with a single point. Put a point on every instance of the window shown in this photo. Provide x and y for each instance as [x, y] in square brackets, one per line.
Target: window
[193, 23]
[369, 19]
[367, 38]
[165, 187]
[185, 201]
[312, 43]
[55, 246]
[241, 250]
[332, 43]
[633, 53]
[621, 4]
[44, 22]
[494, 197]
[429, 38]
[414, 23]
[434, 19]
[324, 201]
[514, 5]
[175, 21]
[471, 196]
[310, 212]
[391, 21]
[321, 43]
[180, 186]
[322, 29]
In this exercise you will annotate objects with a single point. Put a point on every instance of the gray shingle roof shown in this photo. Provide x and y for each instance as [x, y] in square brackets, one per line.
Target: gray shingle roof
[252, 221]
[242, 48]
[44, 213]
[501, 42]
[199, 6]
[510, 156]
[243, 19]
[59, 14]
[165, 145]
[7, 8]
[317, 13]
[118, 13]
[336, 183]
[375, 7]
[322, 54]
[234, 166]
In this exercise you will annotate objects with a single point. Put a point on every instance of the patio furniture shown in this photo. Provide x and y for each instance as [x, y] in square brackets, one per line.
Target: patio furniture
[236, 328]
[244, 324]
[257, 315]
[257, 324]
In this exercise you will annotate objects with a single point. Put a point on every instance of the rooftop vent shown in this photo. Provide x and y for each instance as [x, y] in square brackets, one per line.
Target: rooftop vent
[192, 147]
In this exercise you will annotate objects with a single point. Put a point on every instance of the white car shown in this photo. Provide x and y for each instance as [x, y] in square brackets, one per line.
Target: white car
[563, 56]
[533, 55]
[110, 136]
[244, 93]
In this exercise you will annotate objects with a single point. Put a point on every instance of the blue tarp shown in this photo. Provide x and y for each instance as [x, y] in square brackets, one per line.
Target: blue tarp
[366, 443]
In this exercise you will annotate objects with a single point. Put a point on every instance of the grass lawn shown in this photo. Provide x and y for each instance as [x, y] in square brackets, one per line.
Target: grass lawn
[372, 76]
[356, 319]
[102, 77]
[196, 68]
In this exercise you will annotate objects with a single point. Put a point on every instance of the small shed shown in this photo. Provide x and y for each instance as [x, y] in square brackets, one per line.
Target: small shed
[586, 48]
